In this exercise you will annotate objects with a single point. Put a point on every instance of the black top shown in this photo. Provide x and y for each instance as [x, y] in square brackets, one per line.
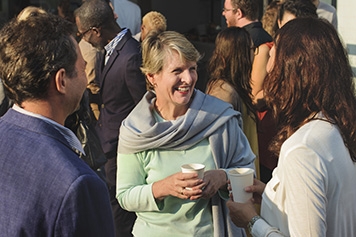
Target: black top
[258, 34]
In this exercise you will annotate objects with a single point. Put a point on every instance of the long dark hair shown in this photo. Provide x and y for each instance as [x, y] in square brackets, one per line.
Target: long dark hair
[311, 73]
[232, 62]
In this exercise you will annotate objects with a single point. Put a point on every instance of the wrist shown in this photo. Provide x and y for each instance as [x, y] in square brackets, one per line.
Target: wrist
[157, 191]
[224, 179]
[252, 222]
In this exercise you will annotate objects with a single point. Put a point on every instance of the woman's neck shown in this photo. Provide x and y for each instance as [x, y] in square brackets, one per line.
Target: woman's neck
[168, 112]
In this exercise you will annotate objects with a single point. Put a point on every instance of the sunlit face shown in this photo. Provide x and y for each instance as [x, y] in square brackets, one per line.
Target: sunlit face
[78, 83]
[174, 85]
[230, 14]
[272, 56]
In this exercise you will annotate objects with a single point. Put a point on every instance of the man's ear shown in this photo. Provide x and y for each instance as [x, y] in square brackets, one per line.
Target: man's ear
[239, 13]
[97, 31]
[60, 80]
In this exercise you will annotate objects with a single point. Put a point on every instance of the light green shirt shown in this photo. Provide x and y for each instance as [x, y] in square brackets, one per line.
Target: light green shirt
[172, 216]
[206, 118]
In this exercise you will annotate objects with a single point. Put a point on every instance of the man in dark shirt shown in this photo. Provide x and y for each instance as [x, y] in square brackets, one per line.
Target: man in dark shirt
[244, 13]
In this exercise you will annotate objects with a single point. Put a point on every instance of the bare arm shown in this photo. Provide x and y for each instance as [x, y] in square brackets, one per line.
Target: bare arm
[259, 72]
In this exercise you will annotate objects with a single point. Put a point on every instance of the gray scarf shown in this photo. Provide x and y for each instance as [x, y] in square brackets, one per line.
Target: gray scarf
[207, 117]
[140, 131]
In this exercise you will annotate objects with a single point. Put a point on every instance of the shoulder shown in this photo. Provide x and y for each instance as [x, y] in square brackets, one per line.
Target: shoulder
[317, 130]
[224, 91]
[259, 35]
[129, 44]
[326, 7]
[219, 85]
[319, 139]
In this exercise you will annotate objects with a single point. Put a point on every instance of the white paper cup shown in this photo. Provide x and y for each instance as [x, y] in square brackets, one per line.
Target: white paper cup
[194, 168]
[239, 179]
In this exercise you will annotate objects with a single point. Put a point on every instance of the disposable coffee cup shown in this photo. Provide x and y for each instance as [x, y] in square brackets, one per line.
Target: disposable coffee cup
[240, 178]
[194, 168]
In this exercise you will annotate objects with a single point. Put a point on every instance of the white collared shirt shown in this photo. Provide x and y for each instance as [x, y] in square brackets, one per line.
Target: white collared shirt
[66, 132]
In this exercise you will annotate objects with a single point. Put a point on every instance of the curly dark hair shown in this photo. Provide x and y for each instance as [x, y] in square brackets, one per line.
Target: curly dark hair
[32, 51]
[299, 8]
[311, 73]
[95, 13]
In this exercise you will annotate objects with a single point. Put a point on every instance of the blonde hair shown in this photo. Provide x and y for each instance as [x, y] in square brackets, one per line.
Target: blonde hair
[155, 21]
[156, 48]
[29, 12]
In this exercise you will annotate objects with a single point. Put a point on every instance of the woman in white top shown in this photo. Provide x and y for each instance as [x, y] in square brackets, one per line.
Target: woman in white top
[311, 90]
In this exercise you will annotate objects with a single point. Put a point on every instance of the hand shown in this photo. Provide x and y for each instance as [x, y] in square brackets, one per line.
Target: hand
[175, 185]
[257, 189]
[241, 213]
[213, 181]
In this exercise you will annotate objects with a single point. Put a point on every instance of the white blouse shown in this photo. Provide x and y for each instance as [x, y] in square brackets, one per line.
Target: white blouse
[313, 189]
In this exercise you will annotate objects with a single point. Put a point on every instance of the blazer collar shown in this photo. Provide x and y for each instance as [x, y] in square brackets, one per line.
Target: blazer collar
[41, 126]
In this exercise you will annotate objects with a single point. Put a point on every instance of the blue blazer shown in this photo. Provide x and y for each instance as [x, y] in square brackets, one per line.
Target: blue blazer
[45, 188]
[122, 85]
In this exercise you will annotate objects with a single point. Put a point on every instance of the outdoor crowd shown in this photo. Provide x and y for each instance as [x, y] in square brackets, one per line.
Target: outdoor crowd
[99, 111]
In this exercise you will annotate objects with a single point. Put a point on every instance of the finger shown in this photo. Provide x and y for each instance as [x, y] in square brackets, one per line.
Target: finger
[208, 192]
[197, 184]
[195, 197]
[229, 202]
[249, 189]
[180, 192]
[188, 176]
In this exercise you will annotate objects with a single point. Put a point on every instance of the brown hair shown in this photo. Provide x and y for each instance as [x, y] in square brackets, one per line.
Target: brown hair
[250, 8]
[270, 16]
[30, 56]
[232, 62]
[311, 74]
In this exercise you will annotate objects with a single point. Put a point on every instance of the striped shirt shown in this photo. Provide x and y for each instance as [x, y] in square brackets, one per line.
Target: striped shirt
[109, 48]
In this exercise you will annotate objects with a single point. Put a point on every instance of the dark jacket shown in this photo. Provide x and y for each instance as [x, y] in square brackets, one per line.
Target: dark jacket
[122, 85]
[46, 189]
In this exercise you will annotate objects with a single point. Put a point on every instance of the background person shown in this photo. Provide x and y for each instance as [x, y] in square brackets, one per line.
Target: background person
[175, 124]
[287, 10]
[92, 56]
[152, 21]
[230, 74]
[128, 15]
[30, 11]
[47, 190]
[291, 9]
[312, 189]
[122, 86]
[326, 11]
[244, 13]
[269, 18]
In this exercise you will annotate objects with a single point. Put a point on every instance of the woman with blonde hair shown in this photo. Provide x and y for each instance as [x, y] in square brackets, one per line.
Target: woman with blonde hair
[172, 125]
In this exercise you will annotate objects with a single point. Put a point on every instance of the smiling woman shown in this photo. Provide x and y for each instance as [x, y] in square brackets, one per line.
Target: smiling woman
[176, 124]
[174, 86]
